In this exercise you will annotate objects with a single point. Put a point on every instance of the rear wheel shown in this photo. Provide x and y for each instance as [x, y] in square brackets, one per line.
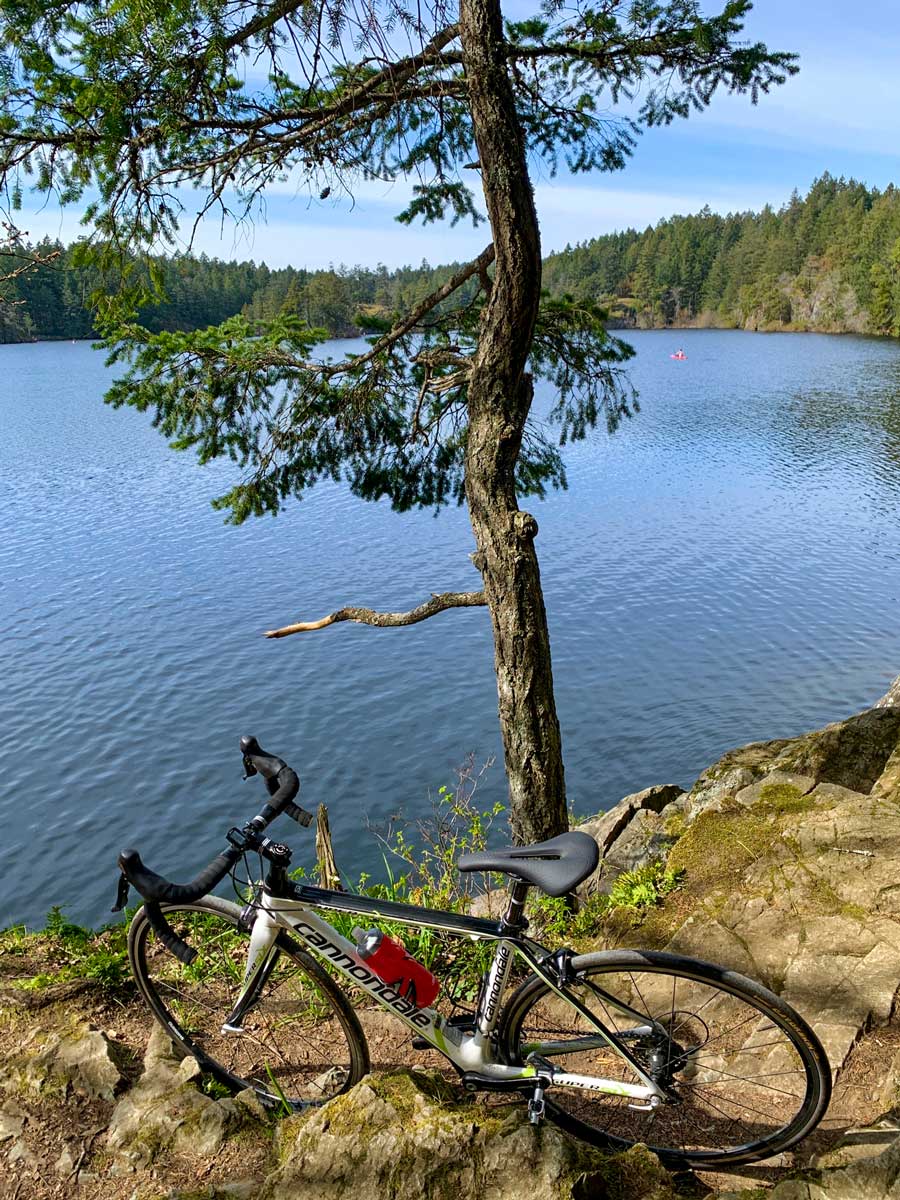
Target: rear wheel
[745, 1076]
[300, 1043]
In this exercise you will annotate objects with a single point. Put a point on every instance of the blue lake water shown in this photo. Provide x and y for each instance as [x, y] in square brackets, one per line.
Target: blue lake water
[725, 568]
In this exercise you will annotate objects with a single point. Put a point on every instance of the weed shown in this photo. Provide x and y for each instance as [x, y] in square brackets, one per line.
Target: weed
[644, 887]
[556, 920]
[82, 954]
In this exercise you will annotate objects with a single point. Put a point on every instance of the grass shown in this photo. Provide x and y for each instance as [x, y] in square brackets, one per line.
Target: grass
[76, 953]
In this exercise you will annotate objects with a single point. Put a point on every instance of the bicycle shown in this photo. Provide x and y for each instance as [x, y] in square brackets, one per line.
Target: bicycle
[701, 1064]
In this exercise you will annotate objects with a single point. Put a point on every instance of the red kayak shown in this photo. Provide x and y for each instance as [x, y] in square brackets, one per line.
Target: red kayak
[679, 357]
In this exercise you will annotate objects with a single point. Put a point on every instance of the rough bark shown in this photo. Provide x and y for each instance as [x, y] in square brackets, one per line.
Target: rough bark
[499, 397]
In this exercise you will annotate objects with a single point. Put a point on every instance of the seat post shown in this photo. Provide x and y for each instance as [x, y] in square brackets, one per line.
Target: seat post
[514, 917]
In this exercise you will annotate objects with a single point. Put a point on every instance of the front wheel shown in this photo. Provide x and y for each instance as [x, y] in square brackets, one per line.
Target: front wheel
[300, 1042]
[745, 1076]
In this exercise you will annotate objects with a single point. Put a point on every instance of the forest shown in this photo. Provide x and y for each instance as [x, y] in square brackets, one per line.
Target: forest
[827, 261]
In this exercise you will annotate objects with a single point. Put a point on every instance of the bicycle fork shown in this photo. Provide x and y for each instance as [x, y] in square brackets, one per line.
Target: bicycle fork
[261, 959]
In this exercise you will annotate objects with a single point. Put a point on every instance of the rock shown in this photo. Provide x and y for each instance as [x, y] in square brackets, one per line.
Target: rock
[405, 1136]
[806, 906]
[606, 828]
[712, 790]
[65, 1164]
[888, 782]
[632, 833]
[851, 753]
[51, 1060]
[857, 1144]
[855, 754]
[165, 1109]
[891, 698]
[875, 1177]
[12, 1121]
[19, 1153]
[890, 1087]
[761, 791]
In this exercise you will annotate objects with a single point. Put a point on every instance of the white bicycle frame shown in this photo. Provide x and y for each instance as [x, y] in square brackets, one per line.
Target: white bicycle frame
[468, 1051]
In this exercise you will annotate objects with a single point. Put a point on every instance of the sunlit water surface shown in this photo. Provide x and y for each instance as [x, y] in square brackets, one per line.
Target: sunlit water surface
[725, 568]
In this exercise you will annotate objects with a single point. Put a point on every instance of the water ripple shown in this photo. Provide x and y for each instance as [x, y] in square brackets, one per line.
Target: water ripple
[726, 568]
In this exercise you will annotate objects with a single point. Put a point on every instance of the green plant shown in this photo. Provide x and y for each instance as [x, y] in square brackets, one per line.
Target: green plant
[644, 887]
[428, 876]
[13, 940]
[557, 919]
[82, 954]
[64, 931]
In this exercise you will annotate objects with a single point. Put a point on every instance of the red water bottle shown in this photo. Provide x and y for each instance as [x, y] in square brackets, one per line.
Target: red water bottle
[392, 963]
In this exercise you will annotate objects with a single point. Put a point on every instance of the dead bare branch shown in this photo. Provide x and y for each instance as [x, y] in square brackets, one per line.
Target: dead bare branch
[366, 616]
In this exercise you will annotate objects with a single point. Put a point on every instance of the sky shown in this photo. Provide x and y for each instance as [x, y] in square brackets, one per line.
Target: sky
[840, 114]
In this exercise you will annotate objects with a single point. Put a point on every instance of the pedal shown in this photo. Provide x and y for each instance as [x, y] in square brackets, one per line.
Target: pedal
[420, 1043]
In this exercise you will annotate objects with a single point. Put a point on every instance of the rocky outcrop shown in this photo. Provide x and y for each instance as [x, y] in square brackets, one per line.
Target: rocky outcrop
[891, 698]
[166, 1110]
[631, 833]
[408, 1135]
[52, 1060]
[790, 852]
[871, 1176]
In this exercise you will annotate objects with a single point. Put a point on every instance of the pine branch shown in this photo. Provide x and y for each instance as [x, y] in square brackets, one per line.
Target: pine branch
[478, 267]
[366, 616]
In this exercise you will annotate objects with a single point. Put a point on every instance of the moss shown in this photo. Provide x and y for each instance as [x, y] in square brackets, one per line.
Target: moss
[719, 846]
[675, 825]
[821, 897]
[635, 1174]
[784, 798]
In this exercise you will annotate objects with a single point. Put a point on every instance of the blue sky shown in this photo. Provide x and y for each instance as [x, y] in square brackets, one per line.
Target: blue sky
[840, 114]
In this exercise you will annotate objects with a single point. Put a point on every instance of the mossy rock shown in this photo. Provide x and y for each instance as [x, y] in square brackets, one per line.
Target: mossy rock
[407, 1134]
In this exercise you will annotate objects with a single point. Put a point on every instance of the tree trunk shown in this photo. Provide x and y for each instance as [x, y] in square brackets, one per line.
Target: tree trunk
[500, 394]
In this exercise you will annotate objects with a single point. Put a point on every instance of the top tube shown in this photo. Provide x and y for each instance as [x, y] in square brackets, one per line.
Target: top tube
[393, 910]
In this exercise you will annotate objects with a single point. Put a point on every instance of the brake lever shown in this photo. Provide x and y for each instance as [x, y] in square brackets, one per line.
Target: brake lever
[121, 893]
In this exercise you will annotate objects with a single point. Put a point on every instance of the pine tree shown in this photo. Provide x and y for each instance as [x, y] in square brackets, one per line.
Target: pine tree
[135, 99]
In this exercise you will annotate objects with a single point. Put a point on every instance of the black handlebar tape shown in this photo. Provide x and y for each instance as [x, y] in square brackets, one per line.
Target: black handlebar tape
[167, 935]
[154, 887]
[300, 815]
[282, 789]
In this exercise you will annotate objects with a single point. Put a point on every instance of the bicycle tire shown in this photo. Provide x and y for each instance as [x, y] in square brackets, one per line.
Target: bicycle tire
[707, 1107]
[302, 1042]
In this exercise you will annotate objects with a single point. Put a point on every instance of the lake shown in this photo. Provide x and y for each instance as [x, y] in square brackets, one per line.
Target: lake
[725, 568]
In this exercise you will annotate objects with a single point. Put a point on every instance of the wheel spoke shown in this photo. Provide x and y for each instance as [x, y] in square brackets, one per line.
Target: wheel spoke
[700, 1045]
[300, 1041]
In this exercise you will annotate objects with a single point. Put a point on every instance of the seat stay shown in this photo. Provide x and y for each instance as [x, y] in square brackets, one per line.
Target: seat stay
[546, 973]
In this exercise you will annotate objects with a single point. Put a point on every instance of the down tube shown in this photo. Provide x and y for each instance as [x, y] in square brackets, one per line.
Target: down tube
[333, 948]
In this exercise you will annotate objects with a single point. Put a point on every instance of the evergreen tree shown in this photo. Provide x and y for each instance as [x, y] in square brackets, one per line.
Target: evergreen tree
[135, 99]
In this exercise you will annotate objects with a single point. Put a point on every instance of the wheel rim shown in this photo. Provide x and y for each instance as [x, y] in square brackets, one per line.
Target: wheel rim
[296, 1048]
[739, 1082]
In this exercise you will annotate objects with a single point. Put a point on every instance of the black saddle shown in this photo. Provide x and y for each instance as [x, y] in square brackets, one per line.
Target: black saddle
[555, 866]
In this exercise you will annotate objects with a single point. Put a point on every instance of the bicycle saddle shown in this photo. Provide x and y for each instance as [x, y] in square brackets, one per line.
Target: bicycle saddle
[555, 866]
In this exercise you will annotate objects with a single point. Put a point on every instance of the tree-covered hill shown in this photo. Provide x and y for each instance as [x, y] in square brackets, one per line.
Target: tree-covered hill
[828, 261]
[53, 301]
